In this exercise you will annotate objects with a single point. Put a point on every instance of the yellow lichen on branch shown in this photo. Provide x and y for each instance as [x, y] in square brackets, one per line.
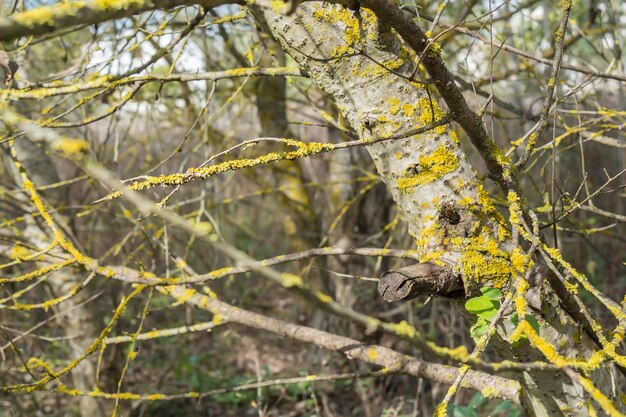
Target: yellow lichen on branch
[303, 149]
[47, 15]
[339, 15]
[53, 375]
[71, 146]
[430, 168]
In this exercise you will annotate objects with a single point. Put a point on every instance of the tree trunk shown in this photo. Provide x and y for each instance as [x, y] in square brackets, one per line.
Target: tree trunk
[81, 327]
[373, 79]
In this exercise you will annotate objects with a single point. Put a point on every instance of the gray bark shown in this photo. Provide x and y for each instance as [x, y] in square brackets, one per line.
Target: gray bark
[367, 72]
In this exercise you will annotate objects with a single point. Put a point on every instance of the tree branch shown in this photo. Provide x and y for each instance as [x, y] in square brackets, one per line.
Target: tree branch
[46, 19]
[420, 279]
[352, 349]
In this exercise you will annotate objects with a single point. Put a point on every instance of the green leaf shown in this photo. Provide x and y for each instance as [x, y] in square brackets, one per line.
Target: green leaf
[476, 401]
[482, 307]
[478, 304]
[464, 412]
[529, 318]
[533, 322]
[501, 408]
[491, 293]
[479, 329]
[456, 411]
[520, 342]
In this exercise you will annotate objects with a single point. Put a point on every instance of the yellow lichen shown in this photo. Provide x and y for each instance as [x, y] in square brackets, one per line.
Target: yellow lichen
[291, 280]
[484, 200]
[46, 15]
[303, 149]
[120, 4]
[429, 112]
[187, 295]
[490, 392]
[71, 146]
[432, 257]
[49, 15]
[394, 105]
[408, 109]
[38, 16]
[430, 168]
[202, 228]
[434, 50]
[372, 354]
[479, 266]
[465, 201]
[520, 261]
[369, 69]
[429, 233]
[239, 72]
[324, 298]
[208, 291]
[218, 273]
[344, 18]
[18, 252]
[387, 126]
[405, 329]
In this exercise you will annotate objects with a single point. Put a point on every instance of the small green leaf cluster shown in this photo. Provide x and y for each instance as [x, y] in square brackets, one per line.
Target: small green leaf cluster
[485, 306]
[481, 406]
[531, 320]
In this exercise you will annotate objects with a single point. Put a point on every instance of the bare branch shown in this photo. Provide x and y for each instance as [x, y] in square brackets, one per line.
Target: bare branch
[533, 135]
[352, 349]
[46, 19]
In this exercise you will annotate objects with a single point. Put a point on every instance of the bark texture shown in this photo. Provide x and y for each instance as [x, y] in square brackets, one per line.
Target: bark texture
[376, 85]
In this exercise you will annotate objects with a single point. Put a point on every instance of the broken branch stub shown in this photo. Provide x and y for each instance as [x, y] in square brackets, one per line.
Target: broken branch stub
[419, 279]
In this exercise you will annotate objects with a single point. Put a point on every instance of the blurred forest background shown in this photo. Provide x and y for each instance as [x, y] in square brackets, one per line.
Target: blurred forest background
[197, 104]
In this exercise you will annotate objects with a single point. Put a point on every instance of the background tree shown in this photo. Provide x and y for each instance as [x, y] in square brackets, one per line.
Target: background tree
[272, 157]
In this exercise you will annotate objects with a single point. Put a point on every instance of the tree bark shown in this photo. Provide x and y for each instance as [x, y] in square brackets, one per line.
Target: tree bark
[367, 71]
